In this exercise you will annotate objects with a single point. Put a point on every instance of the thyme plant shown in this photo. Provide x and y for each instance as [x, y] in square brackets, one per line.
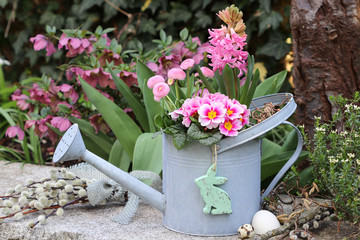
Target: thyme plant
[335, 156]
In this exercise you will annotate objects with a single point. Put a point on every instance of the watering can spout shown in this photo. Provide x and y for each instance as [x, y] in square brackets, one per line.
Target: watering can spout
[71, 147]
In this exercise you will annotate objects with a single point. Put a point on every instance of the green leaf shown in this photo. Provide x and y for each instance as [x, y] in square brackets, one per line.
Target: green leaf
[213, 139]
[124, 128]
[184, 34]
[179, 139]
[134, 103]
[159, 122]
[152, 107]
[162, 36]
[263, 88]
[220, 81]
[269, 148]
[245, 88]
[195, 132]
[276, 47]
[118, 157]
[251, 91]
[148, 153]
[228, 77]
[271, 20]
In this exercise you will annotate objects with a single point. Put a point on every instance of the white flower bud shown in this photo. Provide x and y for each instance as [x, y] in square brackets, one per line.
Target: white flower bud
[8, 203]
[63, 171]
[103, 202]
[70, 175]
[30, 224]
[47, 185]
[16, 208]
[48, 211]
[53, 193]
[29, 181]
[43, 200]
[42, 219]
[62, 202]
[32, 203]
[53, 171]
[23, 200]
[14, 200]
[19, 188]
[60, 212]
[76, 182]
[39, 206]
[82, 192]
[39, 190]
[83, 180]
[62, 182]
[25, 193]
[68, 188]
[5, 211]
[18, 216]
[63, 195]
[71, 197]
[10, 191]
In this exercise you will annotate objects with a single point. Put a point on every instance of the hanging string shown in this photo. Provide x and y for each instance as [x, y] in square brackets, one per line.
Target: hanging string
[214, 156]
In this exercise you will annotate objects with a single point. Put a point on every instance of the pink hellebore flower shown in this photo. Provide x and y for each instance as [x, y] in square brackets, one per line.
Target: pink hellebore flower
[129, 78]
[69, 92]
[15, 131]
[168, 62]
[207, 72]
[211, 116]
[39, 94]
[61, 123]
[40, 42]
[176, 73]
[110, 56]
[98, 76]
[74, 46]
[230, 127]
[99, 124]
[74, 71]
[186, 64]
[160, 90]
[153, 66]
[154, 80]
[20, 99]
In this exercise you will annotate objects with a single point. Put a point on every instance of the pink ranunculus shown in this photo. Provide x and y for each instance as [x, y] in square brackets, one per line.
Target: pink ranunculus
[40, 42]
[60, 123]
[207, 72]
[160, 90]
[230, 127]
[211, 116]
[176, 73]
[15, 131]
[154, 80]
[186, 64]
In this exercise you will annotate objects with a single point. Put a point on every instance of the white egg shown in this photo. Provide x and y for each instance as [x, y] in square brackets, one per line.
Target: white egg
[264, 221]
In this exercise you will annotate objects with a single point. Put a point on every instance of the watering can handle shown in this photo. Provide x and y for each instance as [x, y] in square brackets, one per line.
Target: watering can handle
[288, 164]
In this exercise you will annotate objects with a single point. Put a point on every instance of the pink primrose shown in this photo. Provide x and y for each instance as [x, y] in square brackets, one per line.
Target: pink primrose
[176, 73]
[60, 123]
[15, 131]
[210, 116]
[154, 80]
[207, 72]
[233, 109]
[230, 127]
[186, 64]
[40, 42]
[160, 90]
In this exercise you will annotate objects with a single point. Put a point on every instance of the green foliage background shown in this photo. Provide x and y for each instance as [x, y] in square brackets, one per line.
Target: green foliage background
[267, 27]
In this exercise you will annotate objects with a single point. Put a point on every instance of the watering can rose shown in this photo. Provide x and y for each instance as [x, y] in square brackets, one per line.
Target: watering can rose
[214, 111]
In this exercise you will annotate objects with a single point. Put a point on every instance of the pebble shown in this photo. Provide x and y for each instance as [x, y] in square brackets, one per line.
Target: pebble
[286, 199]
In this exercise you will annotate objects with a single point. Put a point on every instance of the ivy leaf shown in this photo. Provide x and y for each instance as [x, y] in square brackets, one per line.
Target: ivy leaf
[271, 20]
[195, 132]
[213, 139]
[276, 47]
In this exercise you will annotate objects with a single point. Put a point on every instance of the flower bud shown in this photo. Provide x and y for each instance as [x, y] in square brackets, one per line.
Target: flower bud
[8, 203]
[16, 208]
[82, 192]
[62, 202]
[29, 181]
[76, 182]
[10, 191]
[25, 193]
[30, 224]
[70, 175]
[48, 211]
[18, 216]
[39, 190]
[62, 182]
[63, 195]
[32, 203]
[60, 212]
[68, 188]
[39, 206]
[42, 200]
[42, 219]
[18, 188]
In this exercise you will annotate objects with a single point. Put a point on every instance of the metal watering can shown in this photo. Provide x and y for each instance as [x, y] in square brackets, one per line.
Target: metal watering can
[238, 159]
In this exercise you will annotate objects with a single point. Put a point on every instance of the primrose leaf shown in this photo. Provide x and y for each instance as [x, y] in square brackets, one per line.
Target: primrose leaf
[195, 132]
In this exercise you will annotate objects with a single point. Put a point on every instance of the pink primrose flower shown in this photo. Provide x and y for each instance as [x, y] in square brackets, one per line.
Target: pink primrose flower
[210, 116]
[60, 123]
[230, 127]
[207, 72]
[226, 47]
[160, 90]
[186, 64]
[15, 131]
[176, 73]
[233, 109]
[154, 80]
[40, 42]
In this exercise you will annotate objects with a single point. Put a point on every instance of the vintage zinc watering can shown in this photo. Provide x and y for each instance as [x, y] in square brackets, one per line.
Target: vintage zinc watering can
[238, 159]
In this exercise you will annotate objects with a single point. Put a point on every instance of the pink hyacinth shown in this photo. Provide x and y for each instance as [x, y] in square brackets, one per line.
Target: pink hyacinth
[160, 90]
[15, 131]
[227, 48]
[210, 116]
[207, 72]
[154, 80]
[40, 42]
[176, 73]
[186, 64]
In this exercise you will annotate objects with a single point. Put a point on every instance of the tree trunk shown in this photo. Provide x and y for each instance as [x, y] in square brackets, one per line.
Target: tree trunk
[326, 48]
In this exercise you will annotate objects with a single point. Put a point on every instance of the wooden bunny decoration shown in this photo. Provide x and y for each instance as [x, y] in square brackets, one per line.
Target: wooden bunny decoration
[217, 201]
